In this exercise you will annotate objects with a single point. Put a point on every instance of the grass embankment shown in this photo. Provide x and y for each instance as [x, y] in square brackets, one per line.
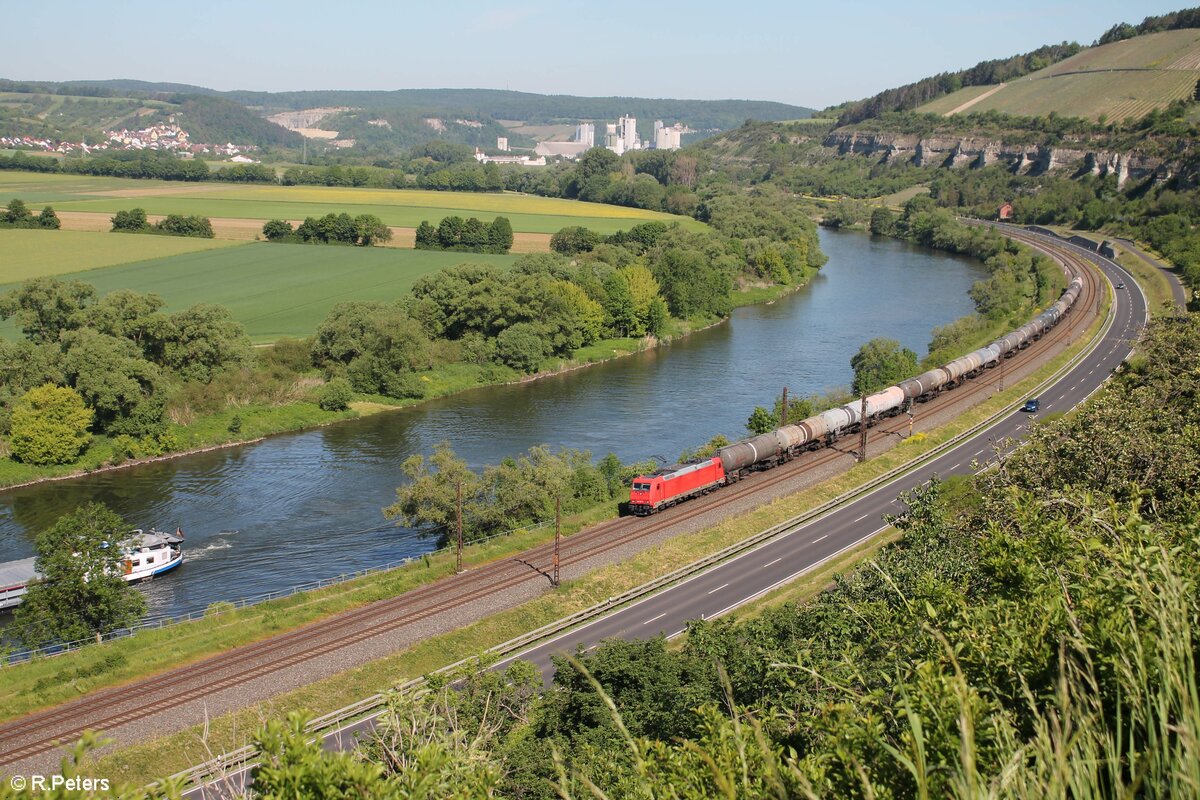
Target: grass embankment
[399, 207]
[34, 253]
[148, 761]
[1153, 282]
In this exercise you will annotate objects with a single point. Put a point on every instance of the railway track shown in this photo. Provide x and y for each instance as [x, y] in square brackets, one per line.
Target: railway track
[38, 733]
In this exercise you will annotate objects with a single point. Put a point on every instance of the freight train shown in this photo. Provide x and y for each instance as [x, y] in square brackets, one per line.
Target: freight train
[666, 487]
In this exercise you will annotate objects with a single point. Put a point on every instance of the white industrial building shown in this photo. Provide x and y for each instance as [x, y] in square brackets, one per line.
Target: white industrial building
[667, 138]
[585, 134]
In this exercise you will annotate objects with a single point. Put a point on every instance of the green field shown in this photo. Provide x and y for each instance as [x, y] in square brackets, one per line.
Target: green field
[274, 290]
[26, 254]
[399, 207]
[1121, 80]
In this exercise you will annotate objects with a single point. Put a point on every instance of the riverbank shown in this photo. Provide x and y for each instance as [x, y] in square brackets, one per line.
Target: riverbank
[148, 760]
[233, 427]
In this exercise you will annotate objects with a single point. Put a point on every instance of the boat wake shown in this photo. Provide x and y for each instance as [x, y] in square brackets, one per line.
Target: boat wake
[195, 553]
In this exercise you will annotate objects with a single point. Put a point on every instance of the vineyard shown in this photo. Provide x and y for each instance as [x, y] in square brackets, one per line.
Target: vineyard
[1118, 81]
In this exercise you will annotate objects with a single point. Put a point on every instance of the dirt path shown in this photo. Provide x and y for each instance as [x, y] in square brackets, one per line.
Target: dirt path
[248, 230]
[975, 100]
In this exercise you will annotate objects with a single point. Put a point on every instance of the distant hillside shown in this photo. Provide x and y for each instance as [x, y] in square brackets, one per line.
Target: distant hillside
[1126, 79]
[538, 108]
[988, 85]
[217, 120]
[78, 112]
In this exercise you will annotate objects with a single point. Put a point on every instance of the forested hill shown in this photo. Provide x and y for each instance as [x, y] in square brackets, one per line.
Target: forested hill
[494, 103]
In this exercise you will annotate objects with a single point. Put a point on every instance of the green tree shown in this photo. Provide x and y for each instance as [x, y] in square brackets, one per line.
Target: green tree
[643, 289]
[17, 213]
[44, 308]
[180, 225]
[48, 219]
[500, 235]
[450, 231]
[278, 229]
[81, 592]
[131, 315]
[50, 426]
[880, 363]
[574, 239]
[883, 222]
[133, 219]
[656, 317]
[426, 236]
[203, 340]
[371, 230]
[429, 498]
[619, 306]
[342, 335]
[761, 421]
[115, 380]
[336, 395]
[522, 346]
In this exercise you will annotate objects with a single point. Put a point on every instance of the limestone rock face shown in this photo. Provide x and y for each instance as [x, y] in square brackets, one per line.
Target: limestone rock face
[975, 152]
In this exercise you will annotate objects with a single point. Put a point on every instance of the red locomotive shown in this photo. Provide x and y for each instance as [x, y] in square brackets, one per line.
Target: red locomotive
[675, 484]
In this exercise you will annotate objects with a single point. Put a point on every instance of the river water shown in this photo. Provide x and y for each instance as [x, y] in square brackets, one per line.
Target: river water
[305, 506]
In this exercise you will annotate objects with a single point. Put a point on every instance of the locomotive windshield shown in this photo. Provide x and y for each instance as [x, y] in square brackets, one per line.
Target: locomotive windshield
[641, 487]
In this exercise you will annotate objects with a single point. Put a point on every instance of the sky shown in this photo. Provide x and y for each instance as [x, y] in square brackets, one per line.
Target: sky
[803, 53]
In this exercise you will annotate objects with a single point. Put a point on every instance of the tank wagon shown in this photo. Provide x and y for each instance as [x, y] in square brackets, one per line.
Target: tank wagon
[731, 463]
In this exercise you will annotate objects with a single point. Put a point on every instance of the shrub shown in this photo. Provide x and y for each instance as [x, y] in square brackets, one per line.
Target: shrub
[522, 347]
[278, 229]
[335, 395]
[132, 220]
[50, 426]
[573, 240]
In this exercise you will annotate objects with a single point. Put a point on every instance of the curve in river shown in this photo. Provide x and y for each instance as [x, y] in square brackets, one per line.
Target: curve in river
[304, 506]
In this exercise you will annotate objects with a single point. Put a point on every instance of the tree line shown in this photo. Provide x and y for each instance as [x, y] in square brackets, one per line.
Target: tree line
[469, 236]
[17, 215]
[140, 164]
[363, 231]
[134, 221]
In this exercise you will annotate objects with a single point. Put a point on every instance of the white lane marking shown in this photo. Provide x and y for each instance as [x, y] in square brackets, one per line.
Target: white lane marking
[660, 616]
[719, 588]
[979, 452]
[782, 581]
[776, 561]
[864, 516]
[826, 536]
[956, 466]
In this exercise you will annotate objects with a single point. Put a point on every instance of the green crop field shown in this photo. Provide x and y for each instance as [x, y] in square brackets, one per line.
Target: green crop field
[26, 254]
[1121, 80]
[274, 290]
[399, 207]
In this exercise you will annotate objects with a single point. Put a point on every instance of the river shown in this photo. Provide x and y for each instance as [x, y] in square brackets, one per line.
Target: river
[304, 506]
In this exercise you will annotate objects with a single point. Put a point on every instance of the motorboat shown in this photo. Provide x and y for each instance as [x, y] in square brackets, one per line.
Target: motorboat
[147, 554]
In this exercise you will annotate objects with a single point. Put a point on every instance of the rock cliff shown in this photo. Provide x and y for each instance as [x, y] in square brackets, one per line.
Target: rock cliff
[1033, 159]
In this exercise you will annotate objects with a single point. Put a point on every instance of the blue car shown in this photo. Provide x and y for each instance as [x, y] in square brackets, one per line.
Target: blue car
[1033, 404]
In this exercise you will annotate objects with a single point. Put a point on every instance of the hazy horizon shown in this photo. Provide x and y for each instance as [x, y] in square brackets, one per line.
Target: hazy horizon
[621, 49]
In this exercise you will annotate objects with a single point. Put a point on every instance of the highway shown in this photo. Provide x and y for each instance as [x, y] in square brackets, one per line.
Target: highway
[756, 572]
